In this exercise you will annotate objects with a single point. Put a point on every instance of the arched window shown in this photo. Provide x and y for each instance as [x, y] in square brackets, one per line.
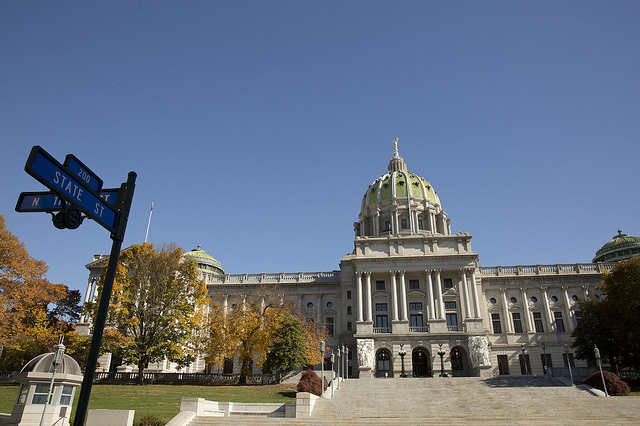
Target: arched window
[383, 363]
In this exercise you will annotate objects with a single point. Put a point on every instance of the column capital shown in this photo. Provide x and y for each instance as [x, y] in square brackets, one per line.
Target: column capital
[401, 272]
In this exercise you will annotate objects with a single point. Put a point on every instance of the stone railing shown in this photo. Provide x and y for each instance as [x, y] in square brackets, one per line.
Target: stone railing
[182, 378]
[277, 278]
[420, 329]
[564, 269]
[378, 330]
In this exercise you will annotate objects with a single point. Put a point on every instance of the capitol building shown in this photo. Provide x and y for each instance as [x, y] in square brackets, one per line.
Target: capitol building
[411, 287]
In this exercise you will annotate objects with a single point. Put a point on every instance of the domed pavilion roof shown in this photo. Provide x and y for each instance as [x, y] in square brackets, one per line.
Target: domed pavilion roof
[206, 263]
[42, 364]
[621, 247]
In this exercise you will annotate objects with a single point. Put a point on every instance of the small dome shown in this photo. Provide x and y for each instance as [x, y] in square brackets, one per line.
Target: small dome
[206, 263]
[621, 247]
[42, 364]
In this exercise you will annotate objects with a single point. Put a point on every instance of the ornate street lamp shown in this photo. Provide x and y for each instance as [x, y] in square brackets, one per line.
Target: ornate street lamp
[333, 373]
[322, 348]
[566, 352]
[338, 367]
[596, 352]
[346, 363]
[441, 353]
[524, 359]
[402, 353]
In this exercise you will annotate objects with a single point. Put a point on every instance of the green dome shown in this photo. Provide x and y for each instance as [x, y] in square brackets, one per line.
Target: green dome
[206, 263]
[621, 247]
[399, 184]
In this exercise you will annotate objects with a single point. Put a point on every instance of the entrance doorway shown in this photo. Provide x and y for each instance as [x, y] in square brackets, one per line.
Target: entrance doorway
[421, 361]
[383, 363]
[503, 365]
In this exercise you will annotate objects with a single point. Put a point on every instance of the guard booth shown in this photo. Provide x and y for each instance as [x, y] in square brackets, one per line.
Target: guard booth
[47, 385]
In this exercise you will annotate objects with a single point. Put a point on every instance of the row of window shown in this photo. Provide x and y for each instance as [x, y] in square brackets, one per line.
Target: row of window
[447, 283]
[537, 322]
[525, 363]
[534, 299]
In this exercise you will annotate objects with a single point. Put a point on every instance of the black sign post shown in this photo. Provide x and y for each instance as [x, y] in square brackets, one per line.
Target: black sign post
[77, 190]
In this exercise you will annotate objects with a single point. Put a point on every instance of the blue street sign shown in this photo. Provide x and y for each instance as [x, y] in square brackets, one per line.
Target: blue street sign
[44, 168]
[39, 202]
[50, 202]
[76, 167]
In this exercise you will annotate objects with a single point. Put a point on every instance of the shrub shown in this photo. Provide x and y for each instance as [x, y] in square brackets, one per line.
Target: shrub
[310, 382]
[615, 386]
[149, 421]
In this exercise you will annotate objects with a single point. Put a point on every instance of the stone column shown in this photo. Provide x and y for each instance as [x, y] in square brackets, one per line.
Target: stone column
[547, 310]
[527, 313]
[359, 295]
[474, 293]
[567, 309]
[403, 297]
[432, 219]
[430, 294]
[505, 311]
[368, 296]
[464, 297]
[395, 225]
[394, 296]
[439, 295]
[376, 223]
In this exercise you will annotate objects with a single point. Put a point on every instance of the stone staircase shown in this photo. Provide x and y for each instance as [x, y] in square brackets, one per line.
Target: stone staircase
[459, 400]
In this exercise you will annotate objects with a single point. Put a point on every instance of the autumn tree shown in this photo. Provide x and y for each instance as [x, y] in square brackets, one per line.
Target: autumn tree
[621, 309]
[25, 294]
[244, 326]
[158, 305]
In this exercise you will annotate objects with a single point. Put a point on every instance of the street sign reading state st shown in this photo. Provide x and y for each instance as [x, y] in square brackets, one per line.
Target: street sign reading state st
[51, 202]
[44, 168]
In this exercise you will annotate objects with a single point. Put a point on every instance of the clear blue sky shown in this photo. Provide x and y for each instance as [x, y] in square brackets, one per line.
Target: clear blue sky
[256, 126]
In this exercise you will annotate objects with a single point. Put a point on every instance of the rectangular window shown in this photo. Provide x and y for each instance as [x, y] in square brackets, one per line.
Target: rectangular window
[517, 323]
[381, 307]
[447, 283]
[525, 364]
[65, 397]
[414, 284]
[348, 310]
[40, 394]
[349, 326]
[537, 321]
[497, 328]
[420, 224]
[387, 226]
[348, 294]
[450, 305]
[329, 325]
[228, 366]
[558, 320]
[452, 322]
[568, 360]
[403, 223]
[379, 285]
[416, 306]
[350, 354]
[416, 320]
[578, 315]
[382, 321]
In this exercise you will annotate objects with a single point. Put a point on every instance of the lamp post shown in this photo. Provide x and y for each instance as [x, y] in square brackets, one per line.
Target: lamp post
[566, 352]
[596, 352]
[402, 353]
[322, 348]
[524, 360]
[346, 363]
[544, 351]
[339, 361]
[441, 353]
[333, 373]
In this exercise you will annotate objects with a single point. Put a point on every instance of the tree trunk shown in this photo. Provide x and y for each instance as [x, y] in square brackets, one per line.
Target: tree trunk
[142, 364]
[244, 371]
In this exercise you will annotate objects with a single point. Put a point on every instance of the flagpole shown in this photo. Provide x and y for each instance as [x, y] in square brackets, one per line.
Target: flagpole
[148, 223]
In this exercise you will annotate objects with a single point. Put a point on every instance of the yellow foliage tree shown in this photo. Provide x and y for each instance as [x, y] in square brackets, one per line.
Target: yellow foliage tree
[158, 306]
[24, 290]
[243, 326]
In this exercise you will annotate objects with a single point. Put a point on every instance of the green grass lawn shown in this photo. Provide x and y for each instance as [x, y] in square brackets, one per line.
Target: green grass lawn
[163, 401]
